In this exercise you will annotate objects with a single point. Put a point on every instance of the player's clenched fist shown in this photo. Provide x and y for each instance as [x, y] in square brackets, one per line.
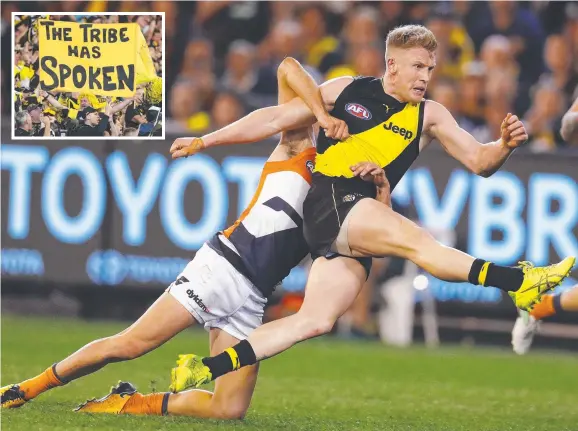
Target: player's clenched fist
[185, 147]
[513, 131]
[334, 127]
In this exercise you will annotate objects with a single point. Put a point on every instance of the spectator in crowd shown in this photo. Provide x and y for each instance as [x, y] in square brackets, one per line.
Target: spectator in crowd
[225, 22]
[455, 48]
[227, 109]
[391, 15]
[243, 75]
[501, 68]
[198, 59]
[185, 107]
[317, 42]
[50, 127]
[445, 92]
[544, 118]
[23, 124]
[362, 28]
[558, 58]
[499, 95]
[521, 27]
[35, 112]
[198, 69]
[369, 61]
[366, 61]
[286, 39]
[494, 113]
[472, 101]
[91, 122]
[32, 123]
[135, 114]
[497, 55]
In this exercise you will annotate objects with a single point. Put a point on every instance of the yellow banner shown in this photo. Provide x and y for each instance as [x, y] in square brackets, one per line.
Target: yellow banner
[145, 67]
[99, 59]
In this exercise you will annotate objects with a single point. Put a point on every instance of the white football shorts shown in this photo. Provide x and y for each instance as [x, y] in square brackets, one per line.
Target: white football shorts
[218, 296]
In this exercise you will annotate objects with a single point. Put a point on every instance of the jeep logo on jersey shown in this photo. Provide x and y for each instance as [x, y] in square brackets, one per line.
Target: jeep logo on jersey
[358, 111]
[406, 134]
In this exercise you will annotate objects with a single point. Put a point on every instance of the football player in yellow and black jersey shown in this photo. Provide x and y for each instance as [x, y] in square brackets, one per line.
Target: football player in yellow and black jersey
[224, 288]
[388, 122]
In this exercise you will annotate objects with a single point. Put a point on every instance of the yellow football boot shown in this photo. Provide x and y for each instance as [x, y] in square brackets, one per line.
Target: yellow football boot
[189, 373]
[540, 280]
[113, 403]
[12, 397]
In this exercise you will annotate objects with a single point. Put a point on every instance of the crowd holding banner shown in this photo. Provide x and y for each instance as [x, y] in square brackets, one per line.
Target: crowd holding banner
[94, 76]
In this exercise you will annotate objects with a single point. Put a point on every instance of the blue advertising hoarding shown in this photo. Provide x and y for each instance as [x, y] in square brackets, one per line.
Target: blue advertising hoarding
[124, 214]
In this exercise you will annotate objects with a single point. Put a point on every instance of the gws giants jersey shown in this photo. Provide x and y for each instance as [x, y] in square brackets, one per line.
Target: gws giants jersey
[267, 241]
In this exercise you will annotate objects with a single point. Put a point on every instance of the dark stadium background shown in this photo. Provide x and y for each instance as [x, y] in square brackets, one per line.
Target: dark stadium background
[221, 59]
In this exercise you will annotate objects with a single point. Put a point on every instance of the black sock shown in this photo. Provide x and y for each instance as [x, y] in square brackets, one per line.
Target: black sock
[489, 274]
[231, 359]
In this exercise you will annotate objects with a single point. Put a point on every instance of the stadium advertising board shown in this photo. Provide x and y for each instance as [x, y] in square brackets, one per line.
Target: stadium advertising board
[124, 214]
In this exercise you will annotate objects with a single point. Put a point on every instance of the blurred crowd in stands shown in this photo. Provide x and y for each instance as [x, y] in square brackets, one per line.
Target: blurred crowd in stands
[494, 57]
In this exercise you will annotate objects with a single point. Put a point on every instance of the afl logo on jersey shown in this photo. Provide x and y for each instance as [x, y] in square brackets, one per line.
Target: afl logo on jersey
[310, 165]
[358, 111]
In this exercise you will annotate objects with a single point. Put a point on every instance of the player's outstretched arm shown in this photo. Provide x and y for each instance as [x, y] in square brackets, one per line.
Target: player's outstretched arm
[481, 159]
[256, 126]
[569, 130]
[303, 111]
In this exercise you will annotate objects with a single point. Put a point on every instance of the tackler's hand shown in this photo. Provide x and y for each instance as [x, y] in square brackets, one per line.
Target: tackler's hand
[185, 147]
[373, 173]
[370, 172]
[334, 127]
[513, 132]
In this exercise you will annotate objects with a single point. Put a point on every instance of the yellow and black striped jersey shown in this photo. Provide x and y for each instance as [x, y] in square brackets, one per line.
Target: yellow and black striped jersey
[382, 130]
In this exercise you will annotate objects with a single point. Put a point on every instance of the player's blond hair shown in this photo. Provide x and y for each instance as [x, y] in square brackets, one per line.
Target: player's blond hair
[411, 36]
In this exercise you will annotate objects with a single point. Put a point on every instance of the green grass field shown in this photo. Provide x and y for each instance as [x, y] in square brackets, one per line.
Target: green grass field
[319, 385]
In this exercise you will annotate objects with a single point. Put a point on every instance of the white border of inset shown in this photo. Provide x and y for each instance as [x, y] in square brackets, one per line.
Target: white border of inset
[85, 138]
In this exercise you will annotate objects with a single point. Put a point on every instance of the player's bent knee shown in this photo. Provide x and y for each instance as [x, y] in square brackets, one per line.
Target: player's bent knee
[230, 412]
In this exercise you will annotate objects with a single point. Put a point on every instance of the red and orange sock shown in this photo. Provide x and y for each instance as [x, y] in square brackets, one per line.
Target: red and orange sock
[150, 404]
[41, 383]
[548, 306]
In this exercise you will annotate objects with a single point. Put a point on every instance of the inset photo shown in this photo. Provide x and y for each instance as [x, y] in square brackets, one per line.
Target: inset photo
[87, 75]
